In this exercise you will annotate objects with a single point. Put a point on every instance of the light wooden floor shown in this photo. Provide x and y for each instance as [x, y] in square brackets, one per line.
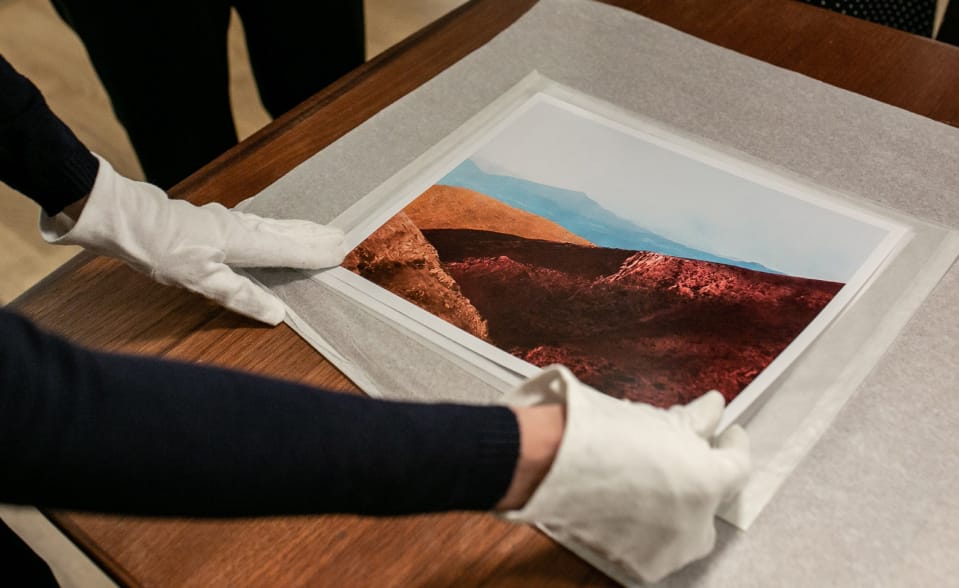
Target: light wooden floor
[39, 45]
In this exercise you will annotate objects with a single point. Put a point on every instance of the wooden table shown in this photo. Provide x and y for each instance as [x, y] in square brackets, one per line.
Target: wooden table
[102, 304]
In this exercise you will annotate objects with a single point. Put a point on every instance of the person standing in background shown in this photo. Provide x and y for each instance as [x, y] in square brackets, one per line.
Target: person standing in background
[164, 66]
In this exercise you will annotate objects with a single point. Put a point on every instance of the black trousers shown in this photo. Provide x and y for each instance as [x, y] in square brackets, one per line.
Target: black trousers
[949, 31]
[912, 16]
[164, 65]
[21, 564]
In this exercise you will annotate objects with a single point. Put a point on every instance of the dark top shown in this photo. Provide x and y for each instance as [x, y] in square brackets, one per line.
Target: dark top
[39, 155]
[94, 431]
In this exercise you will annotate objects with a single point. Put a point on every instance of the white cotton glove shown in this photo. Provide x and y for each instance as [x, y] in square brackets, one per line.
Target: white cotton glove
[178, 243]
[635, 485]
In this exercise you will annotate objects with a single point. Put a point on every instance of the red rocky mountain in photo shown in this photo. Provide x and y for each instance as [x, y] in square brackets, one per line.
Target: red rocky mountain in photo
[633, 324]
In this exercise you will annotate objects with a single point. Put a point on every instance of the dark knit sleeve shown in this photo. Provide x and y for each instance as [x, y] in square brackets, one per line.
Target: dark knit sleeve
[92, 431]
[39, 155]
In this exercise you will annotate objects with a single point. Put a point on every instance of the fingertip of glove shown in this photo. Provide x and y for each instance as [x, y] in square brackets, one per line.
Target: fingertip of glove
[733, 446]
[709, 403]
[714, 397]
[734, 438]
[338, 254]
[326, 249]
[331, 232]
[705, 412]
[270, 311]
[274, 315]
[317, 233]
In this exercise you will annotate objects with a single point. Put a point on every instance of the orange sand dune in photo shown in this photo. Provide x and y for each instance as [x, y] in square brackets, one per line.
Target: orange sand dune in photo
[451, 207]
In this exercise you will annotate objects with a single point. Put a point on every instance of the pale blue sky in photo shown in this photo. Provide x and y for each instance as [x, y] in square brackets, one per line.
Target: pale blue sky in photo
[680, 198]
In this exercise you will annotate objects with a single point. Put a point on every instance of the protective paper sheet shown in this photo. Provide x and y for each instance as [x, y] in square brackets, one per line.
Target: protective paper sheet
[873, 154]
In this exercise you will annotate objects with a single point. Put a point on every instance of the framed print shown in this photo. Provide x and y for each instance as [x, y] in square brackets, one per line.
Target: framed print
[556, 228]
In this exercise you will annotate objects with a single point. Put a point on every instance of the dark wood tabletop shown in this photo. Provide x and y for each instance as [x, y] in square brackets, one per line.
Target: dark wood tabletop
[103, 304]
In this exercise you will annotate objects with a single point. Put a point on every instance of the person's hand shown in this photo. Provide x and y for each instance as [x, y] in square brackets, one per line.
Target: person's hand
[636, 485]
[177, 243]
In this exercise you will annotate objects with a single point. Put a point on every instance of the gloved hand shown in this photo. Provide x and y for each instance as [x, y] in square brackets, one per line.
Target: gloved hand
[177, 243]
[634, 484]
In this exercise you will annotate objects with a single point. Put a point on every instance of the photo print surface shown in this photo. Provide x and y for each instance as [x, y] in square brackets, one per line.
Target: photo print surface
[653, 273]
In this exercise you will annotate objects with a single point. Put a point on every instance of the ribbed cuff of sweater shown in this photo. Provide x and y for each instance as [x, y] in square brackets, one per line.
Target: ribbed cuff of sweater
[496, 453]
[39, 155]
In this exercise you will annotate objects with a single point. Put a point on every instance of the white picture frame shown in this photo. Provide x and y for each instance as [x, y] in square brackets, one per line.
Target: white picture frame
[689, 156]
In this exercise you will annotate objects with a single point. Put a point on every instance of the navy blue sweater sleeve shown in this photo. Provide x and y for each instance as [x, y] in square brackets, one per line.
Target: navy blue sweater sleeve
[100, 432]
[39, 155]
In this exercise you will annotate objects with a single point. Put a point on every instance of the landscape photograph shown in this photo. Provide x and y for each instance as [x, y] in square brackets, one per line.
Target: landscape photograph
[653, 276]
